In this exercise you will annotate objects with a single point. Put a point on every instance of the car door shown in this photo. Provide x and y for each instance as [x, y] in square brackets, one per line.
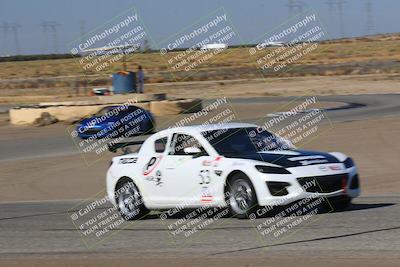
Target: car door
[152, 170]
[186, 176]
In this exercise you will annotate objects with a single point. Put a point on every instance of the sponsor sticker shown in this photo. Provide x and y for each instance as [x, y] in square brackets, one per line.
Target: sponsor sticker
[128, 160]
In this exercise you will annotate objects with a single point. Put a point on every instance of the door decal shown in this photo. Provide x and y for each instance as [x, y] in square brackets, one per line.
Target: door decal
[151, 165]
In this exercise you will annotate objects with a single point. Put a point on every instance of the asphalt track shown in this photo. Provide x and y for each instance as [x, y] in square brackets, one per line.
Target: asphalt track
[356, 107]
[38, 230]
[368, 230]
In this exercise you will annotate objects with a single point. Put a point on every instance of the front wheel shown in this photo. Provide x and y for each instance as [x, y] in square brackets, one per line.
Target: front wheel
[241, 197]
[130, 202]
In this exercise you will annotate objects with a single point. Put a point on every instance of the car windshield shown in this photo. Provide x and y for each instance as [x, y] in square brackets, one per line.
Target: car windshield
[237, 141]
[116, 110]
[104, 111]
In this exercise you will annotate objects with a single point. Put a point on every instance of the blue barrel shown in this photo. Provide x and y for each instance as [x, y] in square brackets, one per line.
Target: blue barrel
[124, 82]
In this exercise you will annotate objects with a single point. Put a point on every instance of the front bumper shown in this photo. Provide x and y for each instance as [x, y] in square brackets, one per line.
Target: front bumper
[301, 185]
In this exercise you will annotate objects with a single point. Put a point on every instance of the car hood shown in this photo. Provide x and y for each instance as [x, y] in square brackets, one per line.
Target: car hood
[85, 121]
[290, 158]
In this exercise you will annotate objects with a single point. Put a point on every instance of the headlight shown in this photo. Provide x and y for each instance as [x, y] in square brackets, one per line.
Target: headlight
[269, 169]
[348, 163]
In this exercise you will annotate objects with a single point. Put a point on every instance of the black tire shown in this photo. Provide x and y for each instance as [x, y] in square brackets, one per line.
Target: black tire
[130, 201]
[340, 203]
[240, 196]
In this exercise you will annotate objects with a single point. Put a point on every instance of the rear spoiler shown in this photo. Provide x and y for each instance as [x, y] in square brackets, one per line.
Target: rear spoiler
[113, 147]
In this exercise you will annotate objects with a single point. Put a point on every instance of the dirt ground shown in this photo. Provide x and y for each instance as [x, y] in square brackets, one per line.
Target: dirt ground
[305, 262]
[317, 85]
[331, 85]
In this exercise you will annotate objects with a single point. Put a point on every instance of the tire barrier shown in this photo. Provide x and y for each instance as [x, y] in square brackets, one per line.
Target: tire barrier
[69, 113]
[174, 107]
[114, 99]
[131, 98]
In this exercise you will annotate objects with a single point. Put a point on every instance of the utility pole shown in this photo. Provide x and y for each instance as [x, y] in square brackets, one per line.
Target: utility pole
[14, 28]
[331, 8]
[370, 27]
[82, 27]
[290, 5]
[5, 28]
[45, 29]
[337, 4]
[52, 25]
[146, 46]
[340, 4]
[295, 6]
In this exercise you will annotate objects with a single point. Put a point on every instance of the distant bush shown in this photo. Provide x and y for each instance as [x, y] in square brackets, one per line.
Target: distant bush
[37, 57]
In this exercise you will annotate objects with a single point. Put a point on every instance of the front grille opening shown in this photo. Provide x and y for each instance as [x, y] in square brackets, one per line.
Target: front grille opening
[355, 182]
[323, 184]
[278, 188]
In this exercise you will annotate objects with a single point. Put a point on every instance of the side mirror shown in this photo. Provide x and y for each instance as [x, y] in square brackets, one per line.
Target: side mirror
[191, 150]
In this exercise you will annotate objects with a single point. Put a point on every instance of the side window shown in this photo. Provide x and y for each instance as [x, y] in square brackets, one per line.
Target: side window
[160, 145]
[182, 141]
[131, 109]
[135, 110]
[104, 111]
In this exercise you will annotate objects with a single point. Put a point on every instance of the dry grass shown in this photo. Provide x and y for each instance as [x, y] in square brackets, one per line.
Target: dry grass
[377, 48]
[369, 55]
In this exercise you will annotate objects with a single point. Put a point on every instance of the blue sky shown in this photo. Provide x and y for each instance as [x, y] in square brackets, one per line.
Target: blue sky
[251, 19]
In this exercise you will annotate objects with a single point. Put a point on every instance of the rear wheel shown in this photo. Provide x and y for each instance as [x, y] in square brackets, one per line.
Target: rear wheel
[241, 197]
[130, 202]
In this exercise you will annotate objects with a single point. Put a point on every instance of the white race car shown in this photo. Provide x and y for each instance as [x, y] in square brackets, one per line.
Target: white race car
[234, 165]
